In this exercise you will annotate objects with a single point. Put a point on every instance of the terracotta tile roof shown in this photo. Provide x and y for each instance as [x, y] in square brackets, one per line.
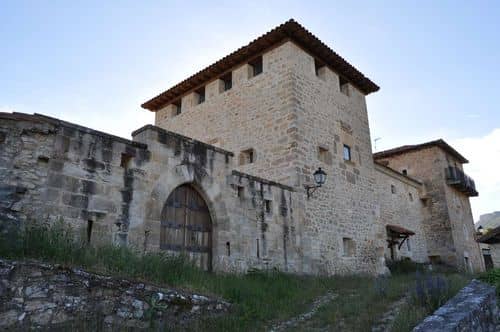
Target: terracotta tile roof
[288, 30]
[408, 148]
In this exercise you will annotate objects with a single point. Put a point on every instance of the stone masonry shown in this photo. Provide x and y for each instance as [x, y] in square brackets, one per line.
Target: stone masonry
[246, 134]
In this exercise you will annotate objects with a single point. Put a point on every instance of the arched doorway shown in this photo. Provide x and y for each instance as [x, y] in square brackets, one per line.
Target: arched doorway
[186, 226]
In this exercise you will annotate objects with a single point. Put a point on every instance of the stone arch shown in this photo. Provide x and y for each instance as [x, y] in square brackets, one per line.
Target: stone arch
[210, 191]
[186, 226]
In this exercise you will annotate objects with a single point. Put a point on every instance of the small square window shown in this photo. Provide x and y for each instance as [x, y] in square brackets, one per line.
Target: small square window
[257, 66]
[344, 85]
[227, 81]
[247, 157]
[393, 189]
[347, 152]
[405, 172]
[201, 95]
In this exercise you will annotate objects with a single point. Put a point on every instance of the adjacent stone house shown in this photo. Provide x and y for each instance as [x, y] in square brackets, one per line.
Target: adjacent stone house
[223, 175]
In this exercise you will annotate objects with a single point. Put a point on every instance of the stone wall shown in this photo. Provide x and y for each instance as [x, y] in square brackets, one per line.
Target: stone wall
[340, 233]
[256, 113]
[399, 203]
[112, 189]
[52, 297]
[474, 308]
[286, 114]
[448, 225]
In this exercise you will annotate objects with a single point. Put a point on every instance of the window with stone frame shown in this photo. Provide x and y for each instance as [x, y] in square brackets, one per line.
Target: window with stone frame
[227, 81]
[256, 66]
[268, 206]
[344, 85]
[247, 157]
[319, 68]
[347, 152]
[177, 109]
[349, 248]
[200, 95]
[324, 155]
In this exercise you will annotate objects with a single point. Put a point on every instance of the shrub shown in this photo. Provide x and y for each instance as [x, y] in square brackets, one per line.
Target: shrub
[404, 266]
[492, 277]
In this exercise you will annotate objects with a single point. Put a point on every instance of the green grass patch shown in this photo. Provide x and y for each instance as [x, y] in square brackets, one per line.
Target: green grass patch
[259, 300]
[492, 277]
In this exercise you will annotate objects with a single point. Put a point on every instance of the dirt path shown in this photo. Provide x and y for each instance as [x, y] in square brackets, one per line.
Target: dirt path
[300, 319]
[385, 322]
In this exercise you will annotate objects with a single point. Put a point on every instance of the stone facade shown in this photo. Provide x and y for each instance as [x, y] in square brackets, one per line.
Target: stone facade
[399, 204]
[249, 149]
[112, 189]
[447, 223]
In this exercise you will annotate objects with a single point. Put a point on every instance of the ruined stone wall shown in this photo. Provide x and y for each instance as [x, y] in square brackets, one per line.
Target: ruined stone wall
[112, 189]
[399, 203]
[256, 113]
[495, 254]
[340, 233]
[449, 226]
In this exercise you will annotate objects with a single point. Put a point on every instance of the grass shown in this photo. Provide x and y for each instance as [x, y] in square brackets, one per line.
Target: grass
[492, 277]
[259, 300]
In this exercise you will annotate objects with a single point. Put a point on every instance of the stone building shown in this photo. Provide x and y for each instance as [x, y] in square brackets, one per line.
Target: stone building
[223, 174]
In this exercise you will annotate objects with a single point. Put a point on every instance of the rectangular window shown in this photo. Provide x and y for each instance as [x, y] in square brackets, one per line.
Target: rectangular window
[348, 247]
[344, 85]
[319, 68]
[347, 152]
[227, 81]
[241, 192]
[177, 107]
[201, 95]
[405, 172]
[324, 154]
[410, 196]
[256, 65]
[247, 157]
[393, 189]
[268, 206]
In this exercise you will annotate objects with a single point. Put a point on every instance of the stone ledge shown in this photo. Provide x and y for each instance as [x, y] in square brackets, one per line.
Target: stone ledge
[262, 180]
[40, 118]
[474, 308]
[181, 137]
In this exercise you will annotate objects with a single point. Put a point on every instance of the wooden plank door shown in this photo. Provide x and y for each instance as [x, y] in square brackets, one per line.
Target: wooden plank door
[186, 226]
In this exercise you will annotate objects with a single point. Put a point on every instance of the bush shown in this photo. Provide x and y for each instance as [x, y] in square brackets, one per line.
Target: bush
[404, 266]
[492, 277]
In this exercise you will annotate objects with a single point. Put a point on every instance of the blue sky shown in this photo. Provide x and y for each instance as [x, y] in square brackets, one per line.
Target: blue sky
[94, 63]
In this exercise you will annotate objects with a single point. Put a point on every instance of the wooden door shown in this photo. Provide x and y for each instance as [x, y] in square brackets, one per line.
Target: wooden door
[186, 226]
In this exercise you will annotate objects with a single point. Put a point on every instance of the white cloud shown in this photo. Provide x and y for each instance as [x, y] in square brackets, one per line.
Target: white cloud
[483, 154]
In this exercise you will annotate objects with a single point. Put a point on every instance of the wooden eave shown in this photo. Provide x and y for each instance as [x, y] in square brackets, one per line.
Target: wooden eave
[290, 30]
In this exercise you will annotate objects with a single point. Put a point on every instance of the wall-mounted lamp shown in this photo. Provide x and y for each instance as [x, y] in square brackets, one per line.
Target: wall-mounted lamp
[319, 178]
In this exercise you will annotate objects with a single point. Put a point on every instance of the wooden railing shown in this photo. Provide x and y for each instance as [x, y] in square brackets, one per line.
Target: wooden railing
[457, 178]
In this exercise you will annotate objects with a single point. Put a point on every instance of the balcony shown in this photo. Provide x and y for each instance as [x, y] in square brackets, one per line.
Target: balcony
[455, 177]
